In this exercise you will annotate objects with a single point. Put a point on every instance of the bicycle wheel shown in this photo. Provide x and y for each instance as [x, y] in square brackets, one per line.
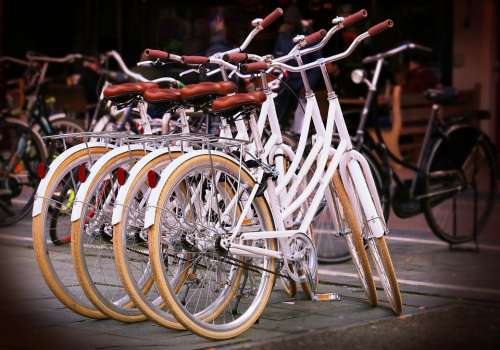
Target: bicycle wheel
[383, 263]
[377, 246]
[331, 247]
[355, 243]
[51, 228]
[21, 152]
[220, 294]
[460, 185]
[130, 240]
[91, 235]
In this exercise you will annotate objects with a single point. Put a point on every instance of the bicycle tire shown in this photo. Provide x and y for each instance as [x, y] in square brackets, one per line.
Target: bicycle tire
[191, 322]
[121, 248]
[115, 305]
[41, 236]
[451, 153]
[14, 208]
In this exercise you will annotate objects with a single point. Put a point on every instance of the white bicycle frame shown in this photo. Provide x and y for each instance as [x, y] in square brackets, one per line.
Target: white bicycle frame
[354, 170]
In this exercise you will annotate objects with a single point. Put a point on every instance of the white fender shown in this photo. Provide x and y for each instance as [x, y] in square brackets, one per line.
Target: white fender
[136, 169]
[77, 211]
[154, 197]
[56, 163]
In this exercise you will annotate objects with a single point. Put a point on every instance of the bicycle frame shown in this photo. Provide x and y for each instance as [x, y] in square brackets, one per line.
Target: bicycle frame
[352, 167]
[383, 151]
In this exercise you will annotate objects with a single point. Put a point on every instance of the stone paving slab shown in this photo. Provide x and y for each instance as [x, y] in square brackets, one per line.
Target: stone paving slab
[32, 318]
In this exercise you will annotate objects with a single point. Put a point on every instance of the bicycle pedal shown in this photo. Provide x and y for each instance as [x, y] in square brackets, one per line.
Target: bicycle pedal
[326, 297]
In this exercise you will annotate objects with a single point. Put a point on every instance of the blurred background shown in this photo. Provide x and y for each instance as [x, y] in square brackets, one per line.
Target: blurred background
[462, 33]
[464, 36]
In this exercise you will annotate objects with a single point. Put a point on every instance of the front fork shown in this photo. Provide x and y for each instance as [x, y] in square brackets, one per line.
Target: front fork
[362, 191]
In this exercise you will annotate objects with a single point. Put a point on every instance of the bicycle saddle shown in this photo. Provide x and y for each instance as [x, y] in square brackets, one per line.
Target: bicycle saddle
[443, 96]
[157, 95]
[229, 103]
[119, 90]
[194, 91]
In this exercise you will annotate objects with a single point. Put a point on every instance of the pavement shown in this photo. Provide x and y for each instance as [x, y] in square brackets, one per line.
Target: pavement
[451, 301]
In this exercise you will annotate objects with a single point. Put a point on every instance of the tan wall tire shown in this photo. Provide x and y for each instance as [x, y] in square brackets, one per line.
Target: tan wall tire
[156, 258]
[40, 240]
[364, 269]
[158, 315]
[379, 251]
[130, 314]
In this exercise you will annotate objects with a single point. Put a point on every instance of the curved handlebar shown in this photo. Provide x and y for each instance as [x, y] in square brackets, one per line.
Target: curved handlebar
[395, 51]
[15, 60]
[151, 54]
[134, 75]
[355, 17]
[67, 58]
[378, 28]
[313, 38]
[235, 57]
[270, 18]
[195, 59]
[254, 67]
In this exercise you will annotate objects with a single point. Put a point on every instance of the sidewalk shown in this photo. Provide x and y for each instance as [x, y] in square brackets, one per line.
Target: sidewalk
[33, 318]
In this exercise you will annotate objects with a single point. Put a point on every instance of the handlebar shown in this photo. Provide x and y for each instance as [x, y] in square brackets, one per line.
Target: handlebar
[151, 54]
[254, 67]
[355, 17]
[195, 59]
[339, 23]
[278, 64]
[270, 18]
[68, 58]
[379, 28]
[313, 38]
[137, 76]
[235, 57]
[395, 51]
[15, 60]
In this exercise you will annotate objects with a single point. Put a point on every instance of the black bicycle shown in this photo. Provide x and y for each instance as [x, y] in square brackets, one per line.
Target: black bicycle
[24, 155]
[455, 176]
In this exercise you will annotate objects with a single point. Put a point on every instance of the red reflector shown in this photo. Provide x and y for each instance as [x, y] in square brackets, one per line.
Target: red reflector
[41, 170]
[82, 173]
[152, 178]
[121, 176]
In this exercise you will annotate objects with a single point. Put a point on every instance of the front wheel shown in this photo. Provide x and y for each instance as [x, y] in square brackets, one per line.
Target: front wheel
[460, 184]
[331, 248]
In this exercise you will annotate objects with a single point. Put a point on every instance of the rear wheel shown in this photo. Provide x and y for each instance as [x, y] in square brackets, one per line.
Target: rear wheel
[460, 185]
[218, 295]
[92, 241]
[130, 245]
[51, 233]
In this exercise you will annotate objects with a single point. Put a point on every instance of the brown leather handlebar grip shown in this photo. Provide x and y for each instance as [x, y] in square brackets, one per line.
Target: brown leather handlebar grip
[235, 57]
[355, 17]
[151, 54]
[195, 59]
[377, 28]
[254, 67]
[270, 18]
[315, 37]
